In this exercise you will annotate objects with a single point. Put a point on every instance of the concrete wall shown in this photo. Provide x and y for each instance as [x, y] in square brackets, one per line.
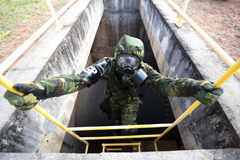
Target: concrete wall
[119, 18]
[182, 53]
[56, 53]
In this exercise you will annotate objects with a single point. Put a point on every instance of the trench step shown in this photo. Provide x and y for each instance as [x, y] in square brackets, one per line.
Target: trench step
[166, 155]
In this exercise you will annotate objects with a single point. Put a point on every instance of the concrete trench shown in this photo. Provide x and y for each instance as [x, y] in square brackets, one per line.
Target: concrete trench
[91, 31]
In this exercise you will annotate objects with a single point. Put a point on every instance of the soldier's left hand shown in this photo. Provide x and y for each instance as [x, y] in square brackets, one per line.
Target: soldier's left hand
[205, 92]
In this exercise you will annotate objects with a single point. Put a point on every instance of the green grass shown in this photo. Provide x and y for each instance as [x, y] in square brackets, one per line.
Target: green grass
[14, 12]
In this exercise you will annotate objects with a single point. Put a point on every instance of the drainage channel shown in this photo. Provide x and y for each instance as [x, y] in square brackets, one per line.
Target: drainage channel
[155, 108]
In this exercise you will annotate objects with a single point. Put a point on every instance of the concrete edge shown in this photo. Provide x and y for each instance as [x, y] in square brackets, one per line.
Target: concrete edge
[166, 155]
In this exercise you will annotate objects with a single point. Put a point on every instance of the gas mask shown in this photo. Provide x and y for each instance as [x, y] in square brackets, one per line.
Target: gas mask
[128, 68]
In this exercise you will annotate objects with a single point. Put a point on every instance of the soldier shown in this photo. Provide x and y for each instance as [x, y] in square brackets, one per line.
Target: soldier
[124, 74]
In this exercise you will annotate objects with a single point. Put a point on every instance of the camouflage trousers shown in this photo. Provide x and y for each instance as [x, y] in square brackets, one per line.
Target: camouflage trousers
[124, 113]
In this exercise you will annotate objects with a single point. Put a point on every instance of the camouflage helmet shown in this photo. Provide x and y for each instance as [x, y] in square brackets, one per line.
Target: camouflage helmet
[129, 45]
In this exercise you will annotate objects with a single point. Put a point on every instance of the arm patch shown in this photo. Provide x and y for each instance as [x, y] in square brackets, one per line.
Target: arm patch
[94, 72]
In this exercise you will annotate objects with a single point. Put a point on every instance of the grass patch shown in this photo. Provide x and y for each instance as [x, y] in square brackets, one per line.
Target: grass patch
[14, 12]
[4, 34]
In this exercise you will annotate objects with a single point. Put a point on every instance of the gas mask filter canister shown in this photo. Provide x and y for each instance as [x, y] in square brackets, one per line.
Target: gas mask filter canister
[140, 77]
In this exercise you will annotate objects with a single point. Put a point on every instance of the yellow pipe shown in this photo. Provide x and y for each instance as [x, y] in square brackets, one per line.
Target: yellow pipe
[8, 85]
[119, 127]
[221, 53]
[50, 6]
[230, 72]
[103, 147]
[113, 149]
[139, 147]
[120, 149]
[32, 39]
[121, 137]
[119, 144]
[155, 146]
[55, 121]
[179, 23]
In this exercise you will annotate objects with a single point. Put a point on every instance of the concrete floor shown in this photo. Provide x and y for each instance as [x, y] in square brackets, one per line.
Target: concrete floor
[170, 155]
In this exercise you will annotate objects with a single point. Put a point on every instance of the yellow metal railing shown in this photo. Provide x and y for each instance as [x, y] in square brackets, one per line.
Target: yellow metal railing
[179, 23]
[224, 78]
[34, 38]
[218, 50]
[119, 127]
[104, 145]
[8, 85]
[217, 84]
[50, 6]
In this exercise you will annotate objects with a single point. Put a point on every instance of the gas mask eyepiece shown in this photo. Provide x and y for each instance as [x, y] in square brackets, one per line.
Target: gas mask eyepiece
[128, 65]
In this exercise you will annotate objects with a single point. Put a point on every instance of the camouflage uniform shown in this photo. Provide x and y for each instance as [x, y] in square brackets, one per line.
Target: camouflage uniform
[123, 100]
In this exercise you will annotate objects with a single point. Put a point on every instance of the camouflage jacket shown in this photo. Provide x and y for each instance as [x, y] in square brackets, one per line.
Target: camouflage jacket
[166, 86]
[66, 84]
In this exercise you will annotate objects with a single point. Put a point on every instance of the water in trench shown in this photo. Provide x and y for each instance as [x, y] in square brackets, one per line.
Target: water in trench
[155, 107]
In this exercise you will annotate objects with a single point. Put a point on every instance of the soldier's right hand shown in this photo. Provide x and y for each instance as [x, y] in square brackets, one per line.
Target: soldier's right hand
[32, 92]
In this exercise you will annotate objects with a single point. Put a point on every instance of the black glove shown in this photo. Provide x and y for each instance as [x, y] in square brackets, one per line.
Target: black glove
[104, 106]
